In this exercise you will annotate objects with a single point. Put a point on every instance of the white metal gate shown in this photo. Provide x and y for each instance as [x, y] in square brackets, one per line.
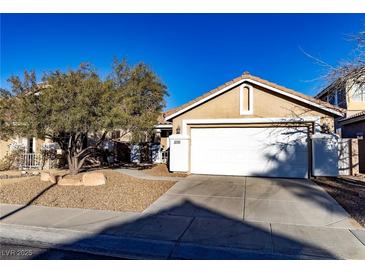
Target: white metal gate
[30, 160]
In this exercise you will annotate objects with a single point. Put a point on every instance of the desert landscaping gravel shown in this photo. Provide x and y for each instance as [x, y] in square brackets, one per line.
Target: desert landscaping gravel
[349, 196]
[162, 170]
[120, 193]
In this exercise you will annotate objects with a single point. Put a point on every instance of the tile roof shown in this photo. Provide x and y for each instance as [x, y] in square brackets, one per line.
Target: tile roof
[248, 76]
[161, 119]
[356, 115]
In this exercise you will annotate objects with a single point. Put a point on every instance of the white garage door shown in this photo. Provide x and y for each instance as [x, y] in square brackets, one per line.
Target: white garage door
[271, 152]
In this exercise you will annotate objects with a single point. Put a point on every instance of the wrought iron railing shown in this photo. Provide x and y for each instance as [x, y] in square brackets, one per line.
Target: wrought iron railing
[30, 160]
[164, 156]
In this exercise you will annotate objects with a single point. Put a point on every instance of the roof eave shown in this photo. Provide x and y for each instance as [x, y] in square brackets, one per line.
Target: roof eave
[173, 115]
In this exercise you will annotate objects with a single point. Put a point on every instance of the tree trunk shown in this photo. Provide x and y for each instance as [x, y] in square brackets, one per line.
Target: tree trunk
[73, 165]
[77, 154]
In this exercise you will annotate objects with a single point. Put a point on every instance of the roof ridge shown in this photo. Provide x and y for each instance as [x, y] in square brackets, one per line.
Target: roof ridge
[258, 79]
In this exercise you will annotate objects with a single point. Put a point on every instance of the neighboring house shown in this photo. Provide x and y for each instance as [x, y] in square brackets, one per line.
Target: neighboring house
[30, 145]
[353, 127]
[248, 127]
[351, 97]
[116, 143]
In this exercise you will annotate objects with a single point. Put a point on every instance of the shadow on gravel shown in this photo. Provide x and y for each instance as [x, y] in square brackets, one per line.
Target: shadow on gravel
[171, 234]
[28, 203]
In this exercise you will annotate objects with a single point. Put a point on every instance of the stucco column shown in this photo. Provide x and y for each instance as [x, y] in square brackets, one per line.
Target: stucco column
[179, 152]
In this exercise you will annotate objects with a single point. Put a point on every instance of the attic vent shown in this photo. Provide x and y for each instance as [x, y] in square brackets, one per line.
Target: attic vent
[246, 99]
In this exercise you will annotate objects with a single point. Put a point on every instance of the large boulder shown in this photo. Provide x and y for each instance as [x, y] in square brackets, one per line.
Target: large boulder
[49, 177]
[69, 182]
[93, 179]
[54, 178]
[45, 176]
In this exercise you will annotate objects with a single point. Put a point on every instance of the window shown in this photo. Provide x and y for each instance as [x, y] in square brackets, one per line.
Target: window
[30, 145]
[358, 94]
[246, 99]
[341, 99]
[336, 98]
[332, 98]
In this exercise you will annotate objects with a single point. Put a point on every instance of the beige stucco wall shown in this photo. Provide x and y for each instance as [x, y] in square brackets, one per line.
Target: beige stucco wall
[4, 145]
[4, 148]
[355, 107]
[266, 104]
[39, 143]
[164, 142]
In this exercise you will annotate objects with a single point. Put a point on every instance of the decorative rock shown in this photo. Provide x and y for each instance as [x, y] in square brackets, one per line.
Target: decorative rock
[35, 173]
[54, 178]
[45, 176]
[69, 182]
[93, 179]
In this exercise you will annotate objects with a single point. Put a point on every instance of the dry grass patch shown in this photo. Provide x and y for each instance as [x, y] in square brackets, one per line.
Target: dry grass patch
[120, 193]
[162, 170]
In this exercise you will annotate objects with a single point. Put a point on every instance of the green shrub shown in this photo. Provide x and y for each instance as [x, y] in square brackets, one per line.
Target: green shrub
[11, 160]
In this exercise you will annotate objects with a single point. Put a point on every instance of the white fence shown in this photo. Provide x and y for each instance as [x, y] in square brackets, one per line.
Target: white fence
[344, 157]
[30, 160]
[325, 159]
[157, 155]
[333, 156]
[351, 151]
[164, 156]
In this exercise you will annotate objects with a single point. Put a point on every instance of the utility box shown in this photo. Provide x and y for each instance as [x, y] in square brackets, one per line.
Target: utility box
[325, 155]
[179, 152]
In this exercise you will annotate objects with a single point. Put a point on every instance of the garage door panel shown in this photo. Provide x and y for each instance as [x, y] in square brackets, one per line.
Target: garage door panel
[279, 152]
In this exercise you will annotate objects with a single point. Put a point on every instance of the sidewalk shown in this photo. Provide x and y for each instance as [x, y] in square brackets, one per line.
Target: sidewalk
[141, 175]
[163, 236]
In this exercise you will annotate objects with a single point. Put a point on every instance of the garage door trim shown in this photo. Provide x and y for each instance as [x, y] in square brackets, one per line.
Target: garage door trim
[256, 166]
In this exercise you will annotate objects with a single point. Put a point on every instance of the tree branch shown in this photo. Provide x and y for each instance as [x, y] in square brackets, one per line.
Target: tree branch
[102, 138]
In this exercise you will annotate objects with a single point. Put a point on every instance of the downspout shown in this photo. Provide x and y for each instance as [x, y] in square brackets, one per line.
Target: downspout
[310, 152]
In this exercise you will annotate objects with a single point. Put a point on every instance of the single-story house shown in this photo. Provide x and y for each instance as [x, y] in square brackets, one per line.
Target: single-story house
[248, 127]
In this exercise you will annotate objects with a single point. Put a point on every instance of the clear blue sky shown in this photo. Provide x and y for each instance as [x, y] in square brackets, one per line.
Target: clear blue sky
[192, 53]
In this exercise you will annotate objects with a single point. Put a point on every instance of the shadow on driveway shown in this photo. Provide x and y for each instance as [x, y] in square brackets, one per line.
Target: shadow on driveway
[165, 235]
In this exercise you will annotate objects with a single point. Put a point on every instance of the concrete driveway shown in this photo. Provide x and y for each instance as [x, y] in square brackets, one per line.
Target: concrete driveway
[287, 216]
[284, 201]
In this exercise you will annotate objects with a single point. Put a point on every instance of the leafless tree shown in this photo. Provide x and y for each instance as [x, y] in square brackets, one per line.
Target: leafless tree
[347, 74]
